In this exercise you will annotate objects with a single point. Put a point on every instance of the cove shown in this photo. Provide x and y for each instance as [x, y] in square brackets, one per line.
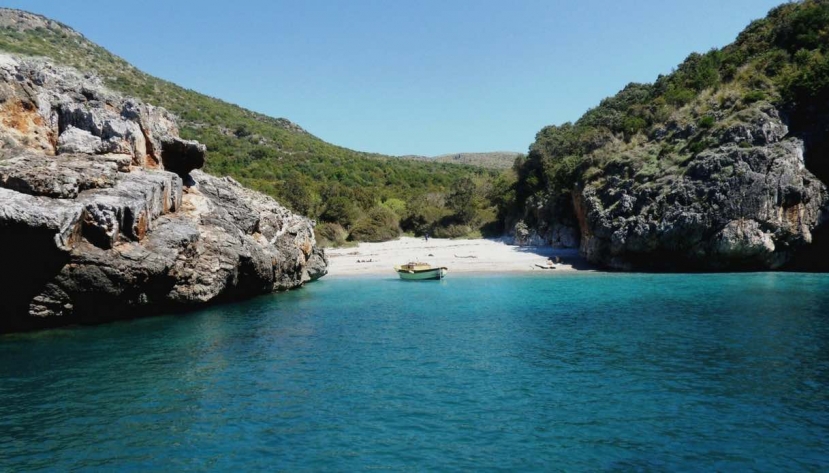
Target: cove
[577, 372]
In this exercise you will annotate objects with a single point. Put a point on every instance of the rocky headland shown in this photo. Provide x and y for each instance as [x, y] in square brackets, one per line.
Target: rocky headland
[720, 165]
[747, 203]
[105, 215]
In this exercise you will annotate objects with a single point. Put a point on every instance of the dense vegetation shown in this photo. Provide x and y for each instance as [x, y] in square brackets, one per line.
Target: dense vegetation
[361, 194]
[781, 61]
[492, 160]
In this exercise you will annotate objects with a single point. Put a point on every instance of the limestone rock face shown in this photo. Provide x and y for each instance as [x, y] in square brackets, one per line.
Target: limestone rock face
[553, 223]
[97, 224]
[749, 203]
[75, 140]
[57, 110]
[22, 21]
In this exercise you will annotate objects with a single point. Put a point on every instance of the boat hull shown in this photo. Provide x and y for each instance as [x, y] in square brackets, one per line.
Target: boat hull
[422, 275]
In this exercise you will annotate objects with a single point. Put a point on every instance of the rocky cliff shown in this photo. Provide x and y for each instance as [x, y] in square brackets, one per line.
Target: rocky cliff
[745, 202]
[104, 215]
[720, 165]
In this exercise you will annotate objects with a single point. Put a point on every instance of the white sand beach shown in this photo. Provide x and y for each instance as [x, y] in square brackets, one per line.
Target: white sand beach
[460, 256]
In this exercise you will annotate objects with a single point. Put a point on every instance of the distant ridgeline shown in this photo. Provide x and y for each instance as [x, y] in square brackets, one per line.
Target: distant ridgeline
[721, 164]
[358, 195]
[494, 160]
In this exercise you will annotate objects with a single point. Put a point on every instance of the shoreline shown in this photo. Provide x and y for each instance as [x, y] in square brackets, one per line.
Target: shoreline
[482, 256]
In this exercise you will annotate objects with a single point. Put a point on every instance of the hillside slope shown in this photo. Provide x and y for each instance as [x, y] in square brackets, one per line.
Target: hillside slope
[498, 160]
[493, 160]
[721, 164]
[272, 155]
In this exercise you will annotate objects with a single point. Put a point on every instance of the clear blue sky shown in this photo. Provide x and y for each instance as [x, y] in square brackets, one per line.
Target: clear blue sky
[409, 77]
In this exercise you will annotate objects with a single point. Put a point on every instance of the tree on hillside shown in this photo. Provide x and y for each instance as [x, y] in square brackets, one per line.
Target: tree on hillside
[423, 212]
[462, 200]
[298, 197]
[340, 210]
[379, 224]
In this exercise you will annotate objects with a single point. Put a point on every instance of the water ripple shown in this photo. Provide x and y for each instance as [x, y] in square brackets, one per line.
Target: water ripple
[562, 372]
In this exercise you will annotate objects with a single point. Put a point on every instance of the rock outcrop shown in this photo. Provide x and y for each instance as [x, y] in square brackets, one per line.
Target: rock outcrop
[720, 165]
[103, 214]
[747, 202]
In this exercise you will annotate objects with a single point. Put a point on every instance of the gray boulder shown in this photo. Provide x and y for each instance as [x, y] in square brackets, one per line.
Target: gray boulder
[75, 140]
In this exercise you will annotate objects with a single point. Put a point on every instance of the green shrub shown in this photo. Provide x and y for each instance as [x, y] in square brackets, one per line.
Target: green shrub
[452, 231]
[679, 96]
[802, 26]
[340, 210]
[633, 125]
[330, 234]
[296, 196]
[463, 201]
[754, 96]
[380, 224]
[706, 122]
[565, 172]
[666, 150]
[698, 146]
[398, 206]
[489, 223]
[808, 81]
[423, 212]
[728, 72]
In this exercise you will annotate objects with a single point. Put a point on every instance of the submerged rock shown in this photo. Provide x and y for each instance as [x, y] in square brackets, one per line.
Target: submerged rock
[103, 214]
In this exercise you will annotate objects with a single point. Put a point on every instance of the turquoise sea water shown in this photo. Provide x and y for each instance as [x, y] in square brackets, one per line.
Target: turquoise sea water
[588, 372]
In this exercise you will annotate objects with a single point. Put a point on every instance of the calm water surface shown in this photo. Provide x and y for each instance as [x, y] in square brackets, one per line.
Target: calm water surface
[554, 372]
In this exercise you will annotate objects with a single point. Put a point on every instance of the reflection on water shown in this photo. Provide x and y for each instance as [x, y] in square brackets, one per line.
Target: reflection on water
[574, 372]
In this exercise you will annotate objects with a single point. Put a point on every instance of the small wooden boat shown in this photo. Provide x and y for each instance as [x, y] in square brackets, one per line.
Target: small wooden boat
[420, 271]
